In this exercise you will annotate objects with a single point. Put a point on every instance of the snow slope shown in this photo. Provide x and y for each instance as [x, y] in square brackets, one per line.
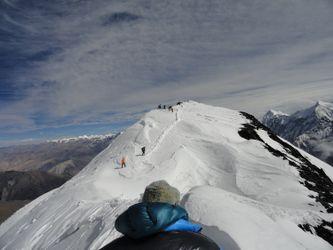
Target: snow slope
[247, 188]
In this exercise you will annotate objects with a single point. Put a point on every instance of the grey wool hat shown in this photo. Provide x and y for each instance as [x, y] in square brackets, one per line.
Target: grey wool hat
[161, 191]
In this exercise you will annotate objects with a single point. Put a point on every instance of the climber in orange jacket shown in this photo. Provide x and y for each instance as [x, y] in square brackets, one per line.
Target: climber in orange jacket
[123, 162]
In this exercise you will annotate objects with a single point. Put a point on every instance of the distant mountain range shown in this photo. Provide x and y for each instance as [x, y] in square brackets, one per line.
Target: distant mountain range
[28, 171]
[310, 129]
[64, 157]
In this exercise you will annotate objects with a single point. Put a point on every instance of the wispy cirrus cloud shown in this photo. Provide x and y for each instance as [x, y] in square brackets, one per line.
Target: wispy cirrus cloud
[76, 62]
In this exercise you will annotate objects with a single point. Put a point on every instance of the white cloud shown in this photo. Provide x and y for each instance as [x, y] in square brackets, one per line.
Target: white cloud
[249, 55]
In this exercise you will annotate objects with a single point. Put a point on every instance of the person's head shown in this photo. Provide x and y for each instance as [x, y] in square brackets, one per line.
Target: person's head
[161, 191]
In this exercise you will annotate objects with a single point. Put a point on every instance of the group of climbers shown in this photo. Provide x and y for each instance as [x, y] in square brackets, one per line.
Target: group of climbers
[143, 149]
[159, 223]
[170, 108]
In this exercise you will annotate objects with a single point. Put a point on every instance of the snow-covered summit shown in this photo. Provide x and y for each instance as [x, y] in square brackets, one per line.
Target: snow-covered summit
[311, 129]
[316, 121]
[325, 104]
[324, 110]
[320, 111]
[247, 187]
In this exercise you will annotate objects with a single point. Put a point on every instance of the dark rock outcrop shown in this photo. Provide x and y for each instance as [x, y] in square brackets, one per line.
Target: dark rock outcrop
[27, 185]
[7, 208]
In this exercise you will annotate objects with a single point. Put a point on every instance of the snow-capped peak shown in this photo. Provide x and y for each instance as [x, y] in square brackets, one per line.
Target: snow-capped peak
[276, 113]
[247, 187]
[274, 118]
[81, 137]
[320, 111]
[324, 104]
[324, 110]
[311, 129]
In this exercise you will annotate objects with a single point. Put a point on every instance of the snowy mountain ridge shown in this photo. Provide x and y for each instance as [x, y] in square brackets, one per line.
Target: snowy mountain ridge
[81, 137]
[273, 112]
[247, 188]
[310, 129]
[321, 110]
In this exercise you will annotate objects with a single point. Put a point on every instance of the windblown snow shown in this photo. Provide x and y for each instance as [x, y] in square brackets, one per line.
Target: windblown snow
[245, 196]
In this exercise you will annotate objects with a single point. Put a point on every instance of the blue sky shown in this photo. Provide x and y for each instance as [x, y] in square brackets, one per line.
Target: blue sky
[73, 67]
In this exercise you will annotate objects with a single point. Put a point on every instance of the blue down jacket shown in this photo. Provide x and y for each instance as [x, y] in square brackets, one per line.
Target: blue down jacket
[144, 219]
[183, 225]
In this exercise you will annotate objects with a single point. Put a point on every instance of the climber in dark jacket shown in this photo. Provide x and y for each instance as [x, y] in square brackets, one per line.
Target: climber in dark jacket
[157, 225]
[165, 241]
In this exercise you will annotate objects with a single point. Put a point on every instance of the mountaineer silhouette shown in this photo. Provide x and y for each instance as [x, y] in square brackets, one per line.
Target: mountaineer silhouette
[159, 223]
[123, 162]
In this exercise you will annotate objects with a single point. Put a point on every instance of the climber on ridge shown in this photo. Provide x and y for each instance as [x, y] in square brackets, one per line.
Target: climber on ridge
[123, 162]
[143, 150]
[159, 223]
